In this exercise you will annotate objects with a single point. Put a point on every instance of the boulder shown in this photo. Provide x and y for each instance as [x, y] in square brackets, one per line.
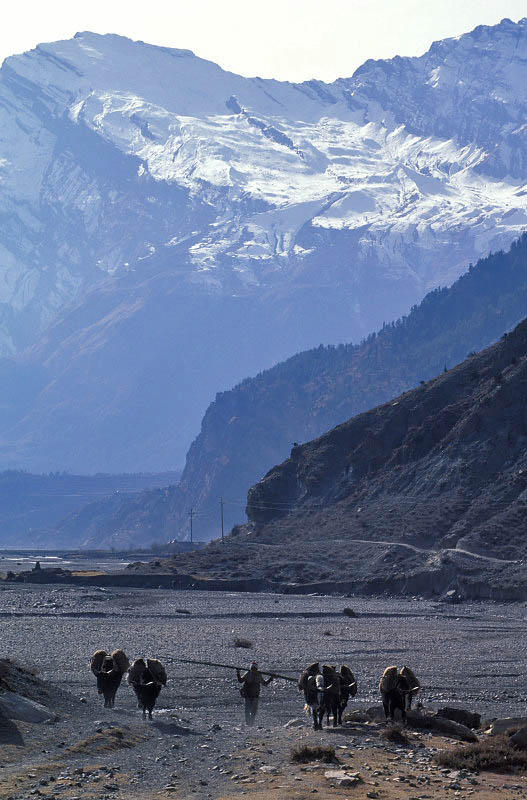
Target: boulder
[452, 596]
[446, 727]
[339, 777]
[14, 706]
[503, 724]
[519, 739]
[468, 718]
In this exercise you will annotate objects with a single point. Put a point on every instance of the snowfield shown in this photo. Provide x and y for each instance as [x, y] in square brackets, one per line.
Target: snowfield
[420, 162]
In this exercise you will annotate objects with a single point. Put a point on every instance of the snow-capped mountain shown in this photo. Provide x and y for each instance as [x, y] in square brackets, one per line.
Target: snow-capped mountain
[169, 227]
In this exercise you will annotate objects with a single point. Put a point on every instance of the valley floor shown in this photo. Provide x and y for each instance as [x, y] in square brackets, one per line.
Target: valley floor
[197, 745]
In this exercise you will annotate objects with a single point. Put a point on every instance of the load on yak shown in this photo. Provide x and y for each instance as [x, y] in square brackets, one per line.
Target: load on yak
[109, 670]
[398, 688]
[147, 677]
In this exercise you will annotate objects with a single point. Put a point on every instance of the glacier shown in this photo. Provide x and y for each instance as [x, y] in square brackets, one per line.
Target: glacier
[169, 227]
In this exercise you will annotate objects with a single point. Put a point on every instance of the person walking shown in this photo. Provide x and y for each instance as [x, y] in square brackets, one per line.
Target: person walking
[252, 680]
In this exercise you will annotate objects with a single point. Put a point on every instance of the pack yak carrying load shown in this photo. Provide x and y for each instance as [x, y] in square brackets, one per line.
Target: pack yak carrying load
[147, 679]
[397, 689]
[109, 671]
[327, 690]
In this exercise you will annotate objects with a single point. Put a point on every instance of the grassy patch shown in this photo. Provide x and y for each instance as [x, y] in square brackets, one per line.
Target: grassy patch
[493, 753]
[395, 734]
[18, 782]
[87, 573]
[305, 753]
[104, 741]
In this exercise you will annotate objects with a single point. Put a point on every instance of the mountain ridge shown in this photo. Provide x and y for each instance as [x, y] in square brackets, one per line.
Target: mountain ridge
[234, 220]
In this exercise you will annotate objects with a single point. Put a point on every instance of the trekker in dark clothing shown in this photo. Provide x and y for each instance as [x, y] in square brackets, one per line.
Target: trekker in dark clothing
[252, 680]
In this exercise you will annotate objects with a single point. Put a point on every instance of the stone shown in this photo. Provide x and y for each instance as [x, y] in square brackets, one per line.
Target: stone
[503, 724]
[469, 718]
[14, 706]
[339, 777]
[519, 739]
[446, 727]
[452, 596]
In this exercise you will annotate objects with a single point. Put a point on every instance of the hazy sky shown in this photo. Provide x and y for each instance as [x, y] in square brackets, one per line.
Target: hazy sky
[286, 39]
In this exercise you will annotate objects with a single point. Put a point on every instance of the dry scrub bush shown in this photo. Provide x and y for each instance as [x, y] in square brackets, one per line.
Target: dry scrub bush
[108, 740]
[396, 735]
[493, 753]
[305, 753]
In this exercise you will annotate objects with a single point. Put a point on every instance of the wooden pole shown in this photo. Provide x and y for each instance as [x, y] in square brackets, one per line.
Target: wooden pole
[231, 666]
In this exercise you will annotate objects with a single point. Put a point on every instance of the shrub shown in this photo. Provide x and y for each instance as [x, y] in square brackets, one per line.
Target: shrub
[493, 753]
[395, 734]
[241, 642]
[349, 612]
[305, 753]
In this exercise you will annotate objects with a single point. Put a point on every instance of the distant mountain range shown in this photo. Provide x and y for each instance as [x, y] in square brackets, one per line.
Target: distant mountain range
[169, 228]
[250, 428]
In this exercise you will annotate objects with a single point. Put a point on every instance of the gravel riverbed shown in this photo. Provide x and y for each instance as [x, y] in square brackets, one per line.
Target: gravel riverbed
[470, 655]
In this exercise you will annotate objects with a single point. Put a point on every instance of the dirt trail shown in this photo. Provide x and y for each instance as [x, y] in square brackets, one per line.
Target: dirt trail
[456, 550]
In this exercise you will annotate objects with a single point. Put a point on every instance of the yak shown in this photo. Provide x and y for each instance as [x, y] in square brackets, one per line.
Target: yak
[314, 693]
[147, 679]
[348, 688]
[326, 692]
[395, 690]
[109, 671]
[332, 694]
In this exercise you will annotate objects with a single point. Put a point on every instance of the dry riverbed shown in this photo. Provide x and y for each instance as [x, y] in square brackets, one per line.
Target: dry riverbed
[197, 745]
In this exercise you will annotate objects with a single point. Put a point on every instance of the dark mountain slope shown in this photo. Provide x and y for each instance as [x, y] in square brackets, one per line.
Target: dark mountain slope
[254, 425]
[425, 493]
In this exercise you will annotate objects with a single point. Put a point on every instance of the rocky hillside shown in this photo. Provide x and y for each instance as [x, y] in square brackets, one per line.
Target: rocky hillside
[169, 227]
[254, 425]
[424, 494]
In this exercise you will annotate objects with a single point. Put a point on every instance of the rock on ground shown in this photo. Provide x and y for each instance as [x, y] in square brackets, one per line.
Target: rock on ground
[14, 706]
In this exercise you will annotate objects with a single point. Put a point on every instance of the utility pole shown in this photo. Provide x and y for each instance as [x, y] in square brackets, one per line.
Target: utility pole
[221, 507]
[191, 514]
